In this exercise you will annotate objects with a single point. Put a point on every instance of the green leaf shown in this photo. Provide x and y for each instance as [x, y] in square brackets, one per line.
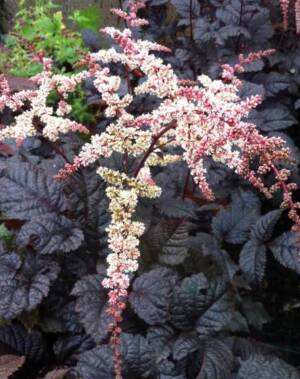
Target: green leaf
[87, 18]
[5, 234]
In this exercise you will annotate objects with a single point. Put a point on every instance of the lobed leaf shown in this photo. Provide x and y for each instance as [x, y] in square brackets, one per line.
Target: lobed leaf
[217, 361]
[151, 295]
[91, 306]
[233, 224]
[51, 233]
[27, 192]
[15, 339]
[29, 285]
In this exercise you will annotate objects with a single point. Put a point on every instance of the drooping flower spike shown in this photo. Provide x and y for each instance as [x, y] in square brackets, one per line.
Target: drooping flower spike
[199, 119]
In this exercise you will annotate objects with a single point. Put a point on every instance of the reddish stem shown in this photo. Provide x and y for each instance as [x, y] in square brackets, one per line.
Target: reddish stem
[155, 139]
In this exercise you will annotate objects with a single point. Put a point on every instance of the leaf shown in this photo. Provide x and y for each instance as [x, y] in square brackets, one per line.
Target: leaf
[96, 363]
[259, 25]
[10, 364]
[138, 360]
[208, 244]
[262, 367]
[217, 361]
[251, 89]
[15, 339]
[204, 31]
[245, 348]
[217, 313]
[27, 192]
[286, 251]
[151, 295]
[185, 344]
[87, 196]
[253, 261]
[28, 287]
[234, 223]
[69, 347]
[91, 305]
[51, 233]
[161, 340]
[10, 262]
[205, 305]
[175, 207]
[272, 119]
[169, 370]
[188, 300]
[255, 313]
[175, 248]
[5, 234]
[88, 18]
[229, 31]
[187, 8]
[263, 229]
[274, 82]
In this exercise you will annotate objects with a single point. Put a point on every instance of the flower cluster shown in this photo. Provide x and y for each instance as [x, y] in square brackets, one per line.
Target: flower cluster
[195, 120]
[285, 5]
[38, 118]
[123, 234]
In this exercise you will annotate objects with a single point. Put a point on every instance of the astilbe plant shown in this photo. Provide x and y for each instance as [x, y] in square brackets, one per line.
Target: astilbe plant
[193, 121]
